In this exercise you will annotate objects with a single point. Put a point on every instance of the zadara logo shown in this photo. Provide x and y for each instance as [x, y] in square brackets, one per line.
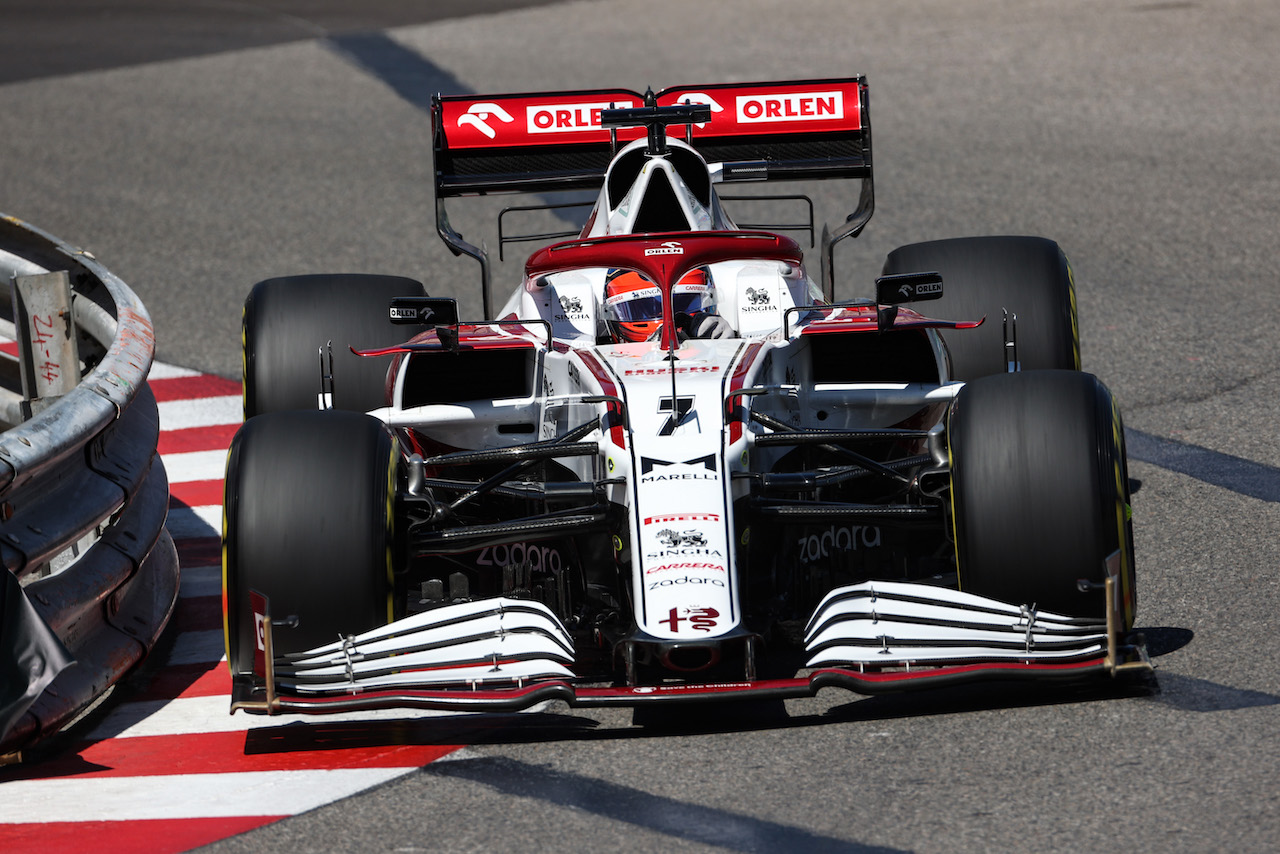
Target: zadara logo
[671, 247]
[478, 116]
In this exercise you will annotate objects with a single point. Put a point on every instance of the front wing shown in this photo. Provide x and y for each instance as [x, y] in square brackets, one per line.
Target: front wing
[511, 654]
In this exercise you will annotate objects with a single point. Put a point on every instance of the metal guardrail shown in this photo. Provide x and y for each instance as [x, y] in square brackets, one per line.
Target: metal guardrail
[83, 501]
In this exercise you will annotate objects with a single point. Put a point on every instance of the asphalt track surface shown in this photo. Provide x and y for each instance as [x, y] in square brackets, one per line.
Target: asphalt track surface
[1143, 136]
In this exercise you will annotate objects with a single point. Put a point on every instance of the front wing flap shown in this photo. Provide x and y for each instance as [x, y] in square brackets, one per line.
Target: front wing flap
[512, 654]
[893, 623]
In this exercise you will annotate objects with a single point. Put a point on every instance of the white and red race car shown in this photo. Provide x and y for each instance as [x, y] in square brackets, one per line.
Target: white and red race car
[672, 467]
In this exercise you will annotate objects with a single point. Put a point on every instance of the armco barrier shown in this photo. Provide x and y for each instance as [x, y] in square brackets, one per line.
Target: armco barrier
[81, 489]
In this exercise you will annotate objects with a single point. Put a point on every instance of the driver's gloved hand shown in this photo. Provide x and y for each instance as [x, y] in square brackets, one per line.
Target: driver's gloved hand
[706, 325]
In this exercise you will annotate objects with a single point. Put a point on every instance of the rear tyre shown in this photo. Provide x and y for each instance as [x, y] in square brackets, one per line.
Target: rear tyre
[309, 524]
[1040, 490]
[1029, 276]
[289, 319]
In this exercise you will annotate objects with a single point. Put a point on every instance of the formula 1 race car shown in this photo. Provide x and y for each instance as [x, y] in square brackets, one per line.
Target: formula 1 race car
[672, 467]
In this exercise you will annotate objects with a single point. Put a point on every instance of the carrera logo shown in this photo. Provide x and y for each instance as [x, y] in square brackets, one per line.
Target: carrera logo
[671, 247]
[790, 107]
[686, 566]
[565, 118]
[478, 116]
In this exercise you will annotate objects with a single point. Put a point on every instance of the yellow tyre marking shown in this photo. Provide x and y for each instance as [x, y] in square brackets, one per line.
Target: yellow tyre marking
[391, 530]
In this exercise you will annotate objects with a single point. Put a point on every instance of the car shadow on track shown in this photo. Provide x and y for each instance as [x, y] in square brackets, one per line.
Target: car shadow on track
[679, 819]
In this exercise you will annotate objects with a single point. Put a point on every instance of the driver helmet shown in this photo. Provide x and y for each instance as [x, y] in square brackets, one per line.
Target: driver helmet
[633, 303]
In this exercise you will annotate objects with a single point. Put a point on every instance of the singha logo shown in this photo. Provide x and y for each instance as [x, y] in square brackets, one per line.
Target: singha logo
[689, 539]
[571, 305]
[758, 297]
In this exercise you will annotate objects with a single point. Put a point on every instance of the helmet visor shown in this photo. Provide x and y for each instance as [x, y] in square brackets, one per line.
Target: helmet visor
[638, 305]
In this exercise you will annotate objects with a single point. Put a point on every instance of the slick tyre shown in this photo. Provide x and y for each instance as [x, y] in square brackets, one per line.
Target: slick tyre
[308, 523]
[981, 277]
[1040, 491]
[288, 320]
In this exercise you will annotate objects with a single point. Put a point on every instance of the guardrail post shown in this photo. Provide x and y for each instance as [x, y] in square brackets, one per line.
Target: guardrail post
[47, 353]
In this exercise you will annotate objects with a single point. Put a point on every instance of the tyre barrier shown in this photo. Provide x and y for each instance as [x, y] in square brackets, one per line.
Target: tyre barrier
[91, 573]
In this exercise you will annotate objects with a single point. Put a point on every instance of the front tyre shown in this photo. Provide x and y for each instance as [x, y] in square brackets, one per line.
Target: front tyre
[289, 320]
[308, 522]
[1040, 491]
[1028, 276]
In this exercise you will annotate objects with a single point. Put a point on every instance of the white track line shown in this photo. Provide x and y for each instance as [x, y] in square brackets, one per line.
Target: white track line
[201, 412]
[184, 795]
[195, 465]
[162, 371]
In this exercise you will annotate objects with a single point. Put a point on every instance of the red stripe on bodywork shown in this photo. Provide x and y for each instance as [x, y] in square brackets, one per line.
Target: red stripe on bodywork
[617, 433]
[736, 383]
[470, 337]
[865, 318]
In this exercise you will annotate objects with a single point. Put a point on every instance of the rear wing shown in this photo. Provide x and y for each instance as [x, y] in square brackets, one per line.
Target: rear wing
[539, 142]
[547, 141]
